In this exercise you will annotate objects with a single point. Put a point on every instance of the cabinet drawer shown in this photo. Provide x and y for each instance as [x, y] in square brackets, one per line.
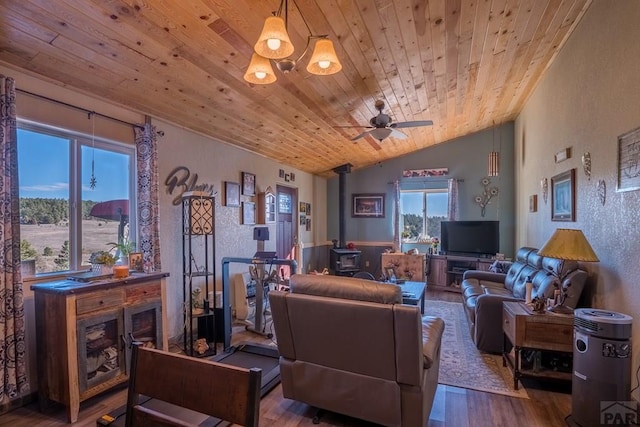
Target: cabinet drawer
[99, 301]
[141, 293]
[509, 324]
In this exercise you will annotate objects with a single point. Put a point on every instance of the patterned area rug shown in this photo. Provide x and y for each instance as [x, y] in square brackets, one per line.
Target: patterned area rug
[461, 363]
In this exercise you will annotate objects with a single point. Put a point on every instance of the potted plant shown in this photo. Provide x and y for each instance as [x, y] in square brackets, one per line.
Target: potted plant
[197, 306]
[102, 262]
[123, 249]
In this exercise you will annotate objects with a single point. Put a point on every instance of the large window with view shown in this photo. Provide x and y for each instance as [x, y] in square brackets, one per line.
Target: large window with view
[422, 213]
[75, 198]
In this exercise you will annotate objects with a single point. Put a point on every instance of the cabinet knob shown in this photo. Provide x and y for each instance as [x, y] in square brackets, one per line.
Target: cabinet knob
[101, 302]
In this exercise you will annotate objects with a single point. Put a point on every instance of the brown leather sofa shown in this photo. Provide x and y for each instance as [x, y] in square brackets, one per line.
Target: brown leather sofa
[350, 346]
[483, 292]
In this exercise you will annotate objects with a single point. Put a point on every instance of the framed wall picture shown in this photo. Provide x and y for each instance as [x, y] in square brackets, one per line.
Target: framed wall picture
[533, 203]
[248, 184]
[303, 207]
[248, 213]
[629, 161]
[135, 262]
[231, 194]
[563, 196]
[368, 206]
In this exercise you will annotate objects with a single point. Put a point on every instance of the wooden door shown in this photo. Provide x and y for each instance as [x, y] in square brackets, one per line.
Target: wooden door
[286, 224]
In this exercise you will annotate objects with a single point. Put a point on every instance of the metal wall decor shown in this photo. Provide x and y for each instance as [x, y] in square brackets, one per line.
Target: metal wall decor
[544, 185]
[487, 194]
[602, 191]
[586, 164]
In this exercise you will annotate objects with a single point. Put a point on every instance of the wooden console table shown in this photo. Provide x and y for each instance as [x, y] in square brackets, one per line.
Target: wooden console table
[83, 334]
[527, 330]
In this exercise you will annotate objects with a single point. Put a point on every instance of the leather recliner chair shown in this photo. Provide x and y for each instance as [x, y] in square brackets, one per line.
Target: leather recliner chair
[350, 346]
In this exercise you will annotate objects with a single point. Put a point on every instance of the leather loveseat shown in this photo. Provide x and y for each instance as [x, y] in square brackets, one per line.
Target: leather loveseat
[483, 292]
[350, 346]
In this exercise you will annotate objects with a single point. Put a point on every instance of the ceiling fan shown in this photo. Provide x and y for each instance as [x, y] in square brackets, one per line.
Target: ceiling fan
[382, 127]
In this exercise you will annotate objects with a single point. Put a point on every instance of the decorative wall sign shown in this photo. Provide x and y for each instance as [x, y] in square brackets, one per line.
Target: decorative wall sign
[563, 155]
[421, 173]
[368, 206]
[629, 161]
[231, 194]
[248, 184]
[586, 164]
[563, 196]
[181, 181]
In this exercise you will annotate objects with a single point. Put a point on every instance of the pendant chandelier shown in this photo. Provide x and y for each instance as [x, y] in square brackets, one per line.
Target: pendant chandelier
[274, 44]
[493, 168]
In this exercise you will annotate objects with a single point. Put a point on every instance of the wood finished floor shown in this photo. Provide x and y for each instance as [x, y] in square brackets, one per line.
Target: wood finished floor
[453, 407]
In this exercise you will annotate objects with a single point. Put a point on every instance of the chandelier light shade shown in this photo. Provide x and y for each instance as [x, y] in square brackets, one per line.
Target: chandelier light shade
[275, 45]
[274, 42]
[324, 60]
[260, 71]
[568, 244]
[494, 164]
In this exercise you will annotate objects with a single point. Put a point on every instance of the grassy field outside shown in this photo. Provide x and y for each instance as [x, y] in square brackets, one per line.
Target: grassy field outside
[96, 235]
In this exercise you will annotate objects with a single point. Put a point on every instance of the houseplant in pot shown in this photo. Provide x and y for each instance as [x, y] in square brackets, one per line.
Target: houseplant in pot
[102, 262]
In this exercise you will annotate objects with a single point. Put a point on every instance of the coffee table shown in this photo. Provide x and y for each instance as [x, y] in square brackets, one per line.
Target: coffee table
[413, 293]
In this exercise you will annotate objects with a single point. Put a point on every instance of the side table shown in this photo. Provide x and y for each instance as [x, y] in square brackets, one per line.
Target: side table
[525, 329]
[413, 293]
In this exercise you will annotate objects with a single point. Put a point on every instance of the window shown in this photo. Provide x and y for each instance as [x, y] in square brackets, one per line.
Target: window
[57, 228]
[422, 213]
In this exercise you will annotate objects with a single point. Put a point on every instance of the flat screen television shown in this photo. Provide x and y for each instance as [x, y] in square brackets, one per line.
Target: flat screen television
[480, 238]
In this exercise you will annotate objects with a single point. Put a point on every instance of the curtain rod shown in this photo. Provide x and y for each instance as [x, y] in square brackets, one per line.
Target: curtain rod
[46, 98]
[405, 179]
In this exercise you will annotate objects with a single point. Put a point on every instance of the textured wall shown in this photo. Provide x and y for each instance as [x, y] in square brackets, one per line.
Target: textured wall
[216, 162]
[587, 98]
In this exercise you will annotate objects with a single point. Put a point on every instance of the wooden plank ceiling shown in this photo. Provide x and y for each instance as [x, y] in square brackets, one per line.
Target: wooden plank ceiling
[465, 64]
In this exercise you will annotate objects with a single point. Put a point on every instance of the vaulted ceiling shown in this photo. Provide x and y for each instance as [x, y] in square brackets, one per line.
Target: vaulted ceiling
[465, 64]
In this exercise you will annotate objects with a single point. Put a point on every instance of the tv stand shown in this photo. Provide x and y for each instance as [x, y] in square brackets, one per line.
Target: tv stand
[446, 271]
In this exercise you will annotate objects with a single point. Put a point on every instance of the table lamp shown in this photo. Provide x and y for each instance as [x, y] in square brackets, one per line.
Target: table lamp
[567, 245]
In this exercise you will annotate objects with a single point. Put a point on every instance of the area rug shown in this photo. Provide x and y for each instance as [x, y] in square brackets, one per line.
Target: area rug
[461, 363]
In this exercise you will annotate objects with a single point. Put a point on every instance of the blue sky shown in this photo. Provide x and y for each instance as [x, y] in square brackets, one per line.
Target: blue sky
[437, 203]
[44, 169]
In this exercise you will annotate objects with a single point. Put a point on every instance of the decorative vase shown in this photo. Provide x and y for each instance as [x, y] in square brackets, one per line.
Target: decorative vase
[101, 269]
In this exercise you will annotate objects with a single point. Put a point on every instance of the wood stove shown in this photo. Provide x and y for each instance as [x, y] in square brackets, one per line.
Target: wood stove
[343, 261]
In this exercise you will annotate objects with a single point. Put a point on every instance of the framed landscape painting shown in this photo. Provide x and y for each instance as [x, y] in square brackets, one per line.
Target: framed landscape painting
[563, 196]
[368, 206]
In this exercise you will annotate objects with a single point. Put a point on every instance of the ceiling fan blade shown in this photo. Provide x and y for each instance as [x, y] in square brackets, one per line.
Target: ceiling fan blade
[397, 134]
[363, 134]
[356, 126]
[412, 124]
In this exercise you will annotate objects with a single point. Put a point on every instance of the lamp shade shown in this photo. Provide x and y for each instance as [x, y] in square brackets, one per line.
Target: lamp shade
[324, 60]
[274, 42]
[380, 133]
[568, 244]
[259, 71]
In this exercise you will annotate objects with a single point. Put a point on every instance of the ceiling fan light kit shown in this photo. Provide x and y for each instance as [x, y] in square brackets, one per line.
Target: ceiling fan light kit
[382, 127]
[274, 44]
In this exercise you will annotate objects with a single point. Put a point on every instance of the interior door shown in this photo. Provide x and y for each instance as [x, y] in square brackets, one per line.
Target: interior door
[286, 224]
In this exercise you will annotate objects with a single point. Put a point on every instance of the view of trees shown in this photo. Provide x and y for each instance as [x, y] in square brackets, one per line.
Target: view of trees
[414, 225]
[49, 211]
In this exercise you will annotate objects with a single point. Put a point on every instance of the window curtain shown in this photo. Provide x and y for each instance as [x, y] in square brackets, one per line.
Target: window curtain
[13, 365]
[452, 207]
[396, 217]
[148, 196]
